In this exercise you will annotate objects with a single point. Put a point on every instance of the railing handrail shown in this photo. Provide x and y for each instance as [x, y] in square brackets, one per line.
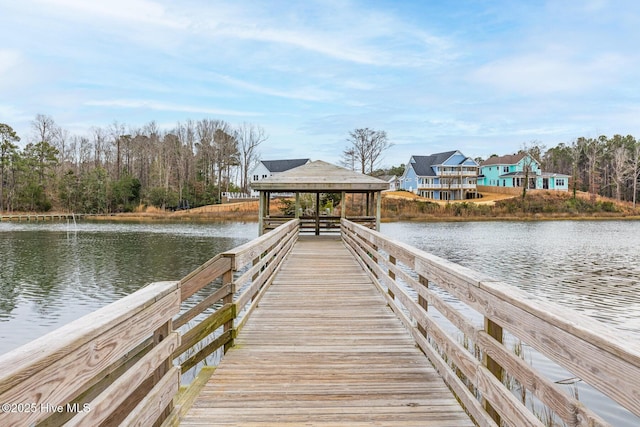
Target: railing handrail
[598, 354]
[51, 371]
[118, 360]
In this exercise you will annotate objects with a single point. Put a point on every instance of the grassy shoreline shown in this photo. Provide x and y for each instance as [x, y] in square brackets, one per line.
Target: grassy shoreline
[547, 206]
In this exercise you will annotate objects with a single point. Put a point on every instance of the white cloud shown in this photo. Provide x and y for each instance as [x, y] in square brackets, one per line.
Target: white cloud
[547, 73]
[14, 70]
[12, 114]
[131, 11]
[307, 93]
[344, 31]
[161, 106]
[9, 59]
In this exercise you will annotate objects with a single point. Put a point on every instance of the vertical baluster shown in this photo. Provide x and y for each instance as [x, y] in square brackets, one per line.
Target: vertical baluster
[495, 331]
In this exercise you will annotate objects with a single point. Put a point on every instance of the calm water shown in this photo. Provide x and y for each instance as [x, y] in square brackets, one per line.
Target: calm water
[591, 267]
[52, 273]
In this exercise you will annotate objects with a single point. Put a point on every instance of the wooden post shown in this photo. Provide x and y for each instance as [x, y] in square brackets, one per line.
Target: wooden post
[495, 331]
[227, 277]
[392, 275]
[317, 214]
[267, 203]
[158, 336]
[367, 211]
[423, 302]
[378, 209]
[297, 207]
[261, 214]
[343, 205]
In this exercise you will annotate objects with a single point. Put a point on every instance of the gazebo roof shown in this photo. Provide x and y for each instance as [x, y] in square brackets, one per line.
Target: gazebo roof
[320, 176]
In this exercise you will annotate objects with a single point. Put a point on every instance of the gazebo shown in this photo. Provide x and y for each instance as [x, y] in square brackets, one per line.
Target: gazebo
[317, 178]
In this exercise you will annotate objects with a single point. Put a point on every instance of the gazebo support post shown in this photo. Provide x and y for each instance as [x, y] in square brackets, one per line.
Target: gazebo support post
[378, 209]
[267, 204]
[261, 214]
[297, 207]
[317, 214]
[343, 205]
[367, 211]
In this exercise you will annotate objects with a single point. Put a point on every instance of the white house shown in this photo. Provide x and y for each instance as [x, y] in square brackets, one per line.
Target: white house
[393, 180]
[267, 168]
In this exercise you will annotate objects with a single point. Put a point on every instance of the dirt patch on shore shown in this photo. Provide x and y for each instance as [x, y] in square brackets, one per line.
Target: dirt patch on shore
[486, 199]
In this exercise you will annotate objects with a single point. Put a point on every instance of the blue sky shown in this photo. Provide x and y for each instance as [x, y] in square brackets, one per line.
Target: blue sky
[483, 77]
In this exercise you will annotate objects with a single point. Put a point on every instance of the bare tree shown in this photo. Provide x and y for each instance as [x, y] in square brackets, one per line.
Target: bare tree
[206, 151]
[186, 134]
[366, 147]
[533, 152]
[226, 150]
[379, 144]
[620, 169]
[119, 139]
[349, 158]
[635, 169]
[45, 128]
[575, 164]
[593, 152]
[249, 137]
[99, 144]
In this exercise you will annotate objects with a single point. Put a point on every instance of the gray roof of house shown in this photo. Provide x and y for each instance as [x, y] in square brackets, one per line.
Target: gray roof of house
[283, 165]
[320, 176]
[387, 178]
[509, 159]
[423, 164]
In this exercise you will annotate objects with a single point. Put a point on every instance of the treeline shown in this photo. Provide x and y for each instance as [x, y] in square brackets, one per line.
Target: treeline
[606, 166]
[114, 169]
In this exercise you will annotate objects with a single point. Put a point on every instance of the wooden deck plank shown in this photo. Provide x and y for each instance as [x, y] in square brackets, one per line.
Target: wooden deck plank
[323, 349]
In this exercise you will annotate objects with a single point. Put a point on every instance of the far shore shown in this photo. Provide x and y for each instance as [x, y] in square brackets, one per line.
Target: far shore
[402, 206]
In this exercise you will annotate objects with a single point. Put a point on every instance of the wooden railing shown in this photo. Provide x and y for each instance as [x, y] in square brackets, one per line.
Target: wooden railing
[326, 224]
[113, 366]
[472, 358]
[122, 364]
[43, 217]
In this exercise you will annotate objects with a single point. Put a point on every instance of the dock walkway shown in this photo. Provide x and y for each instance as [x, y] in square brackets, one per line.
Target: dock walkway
[324, 348]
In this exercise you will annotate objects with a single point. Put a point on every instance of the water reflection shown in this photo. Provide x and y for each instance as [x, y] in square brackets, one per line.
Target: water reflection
[50, 275]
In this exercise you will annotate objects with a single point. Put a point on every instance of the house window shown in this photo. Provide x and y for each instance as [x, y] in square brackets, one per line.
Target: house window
[255, 177]
[264, 176]
[560, 182]
[505, 169]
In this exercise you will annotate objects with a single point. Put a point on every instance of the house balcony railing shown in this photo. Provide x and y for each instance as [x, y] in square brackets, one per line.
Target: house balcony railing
[446, 186]
[458, 173]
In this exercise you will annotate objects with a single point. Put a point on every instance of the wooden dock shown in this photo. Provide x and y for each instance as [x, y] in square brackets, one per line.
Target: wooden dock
[323, 348]
[355, 329]
[28, 217]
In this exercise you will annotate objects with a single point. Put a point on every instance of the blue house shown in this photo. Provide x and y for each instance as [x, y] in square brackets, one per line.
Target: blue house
[513, 171]
[441, 176]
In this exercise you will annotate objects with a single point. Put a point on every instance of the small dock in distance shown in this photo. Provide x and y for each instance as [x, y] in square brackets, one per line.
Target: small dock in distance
[28, 217]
